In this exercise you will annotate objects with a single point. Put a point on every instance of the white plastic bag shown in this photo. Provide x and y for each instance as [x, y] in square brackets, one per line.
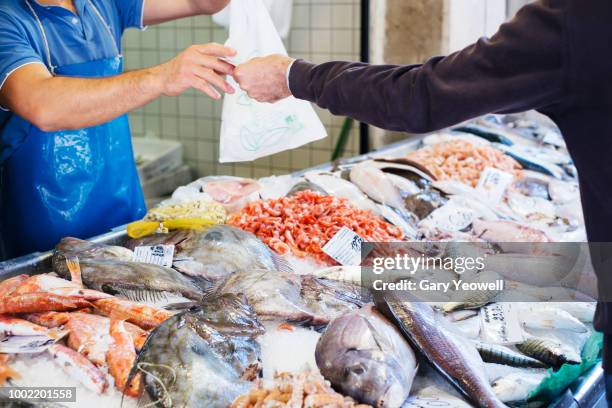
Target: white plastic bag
[249, 129]
[280, 11]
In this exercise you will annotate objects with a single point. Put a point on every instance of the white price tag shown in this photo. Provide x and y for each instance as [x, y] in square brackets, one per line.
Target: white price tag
[161, 255]
[493, 183]
[345, 247]
[501, 324]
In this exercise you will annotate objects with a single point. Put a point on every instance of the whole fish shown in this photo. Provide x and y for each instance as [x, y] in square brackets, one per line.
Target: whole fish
[217, 252]
[517, 386]
[137, 281]
[203, 357]
[444, 347]
[543, 316]
[375, 184]
[365, 357]
[331, 298]
[494, 353]
[549, 351]
[305, 299]
[85, 250]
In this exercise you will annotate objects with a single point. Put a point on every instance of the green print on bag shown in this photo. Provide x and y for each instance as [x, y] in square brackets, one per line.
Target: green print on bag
[268, 130]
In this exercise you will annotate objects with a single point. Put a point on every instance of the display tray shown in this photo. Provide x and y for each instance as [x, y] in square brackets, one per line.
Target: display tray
[587, 392]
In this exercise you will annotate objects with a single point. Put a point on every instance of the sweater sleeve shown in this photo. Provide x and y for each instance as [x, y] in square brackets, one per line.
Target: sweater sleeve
[520, 68]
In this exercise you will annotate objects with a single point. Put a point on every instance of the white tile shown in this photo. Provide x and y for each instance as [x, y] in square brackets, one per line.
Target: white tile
[342, 16]
[300, 41]
[320, 15]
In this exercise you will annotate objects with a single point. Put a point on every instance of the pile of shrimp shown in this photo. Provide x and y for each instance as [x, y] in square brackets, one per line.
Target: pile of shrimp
[304, 223]
[301, 390]
[462, 161]
[86, 332]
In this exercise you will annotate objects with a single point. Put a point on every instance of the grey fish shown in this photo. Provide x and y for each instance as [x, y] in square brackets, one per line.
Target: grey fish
[287, 296]
[450, 353]
[517, 386]
[425, 202]
[494, 353]
[365, 357]
[332, 298]
[532, 187]
[549, 351]
[85, 250]
[306, 186]
[137, 281]
[531, 163]
[204, 357]
[486, 133]
[217, 252]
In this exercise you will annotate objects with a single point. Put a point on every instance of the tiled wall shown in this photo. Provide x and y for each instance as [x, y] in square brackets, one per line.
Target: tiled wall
[322, 30]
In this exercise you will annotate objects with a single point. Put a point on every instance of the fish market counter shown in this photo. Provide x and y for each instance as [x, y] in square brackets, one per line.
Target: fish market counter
[587, 391]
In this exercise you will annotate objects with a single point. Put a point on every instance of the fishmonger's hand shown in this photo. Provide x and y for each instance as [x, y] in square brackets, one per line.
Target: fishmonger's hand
[265, 79]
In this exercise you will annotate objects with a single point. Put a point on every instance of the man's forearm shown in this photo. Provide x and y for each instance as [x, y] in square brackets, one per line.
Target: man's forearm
[74, 103]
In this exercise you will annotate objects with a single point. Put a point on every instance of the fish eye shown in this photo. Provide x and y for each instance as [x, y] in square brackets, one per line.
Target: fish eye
[357, 369]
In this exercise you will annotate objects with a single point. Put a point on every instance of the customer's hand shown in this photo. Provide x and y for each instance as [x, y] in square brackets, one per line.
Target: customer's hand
[264, 79]
[199, 67]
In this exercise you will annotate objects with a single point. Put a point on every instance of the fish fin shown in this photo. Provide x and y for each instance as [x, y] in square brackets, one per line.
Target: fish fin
[310, 322]
[181, 306]
[140, 295]
[282, 265]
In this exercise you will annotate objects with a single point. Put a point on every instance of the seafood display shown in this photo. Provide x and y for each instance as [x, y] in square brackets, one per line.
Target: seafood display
[304, 389]
[304, 223]
[250, 310]
[462, 160]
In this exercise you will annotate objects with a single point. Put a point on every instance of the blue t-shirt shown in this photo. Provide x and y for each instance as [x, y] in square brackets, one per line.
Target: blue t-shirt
[72, 39]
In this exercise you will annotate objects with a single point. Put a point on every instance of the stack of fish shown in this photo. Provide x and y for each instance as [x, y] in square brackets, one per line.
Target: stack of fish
[199, 333]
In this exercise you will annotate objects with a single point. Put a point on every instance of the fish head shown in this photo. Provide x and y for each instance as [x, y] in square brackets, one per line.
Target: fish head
[368, 377]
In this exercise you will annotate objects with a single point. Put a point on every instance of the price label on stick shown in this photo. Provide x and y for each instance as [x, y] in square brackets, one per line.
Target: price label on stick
[161, 255]
[345, 247]
[501, 324]
[493, 183]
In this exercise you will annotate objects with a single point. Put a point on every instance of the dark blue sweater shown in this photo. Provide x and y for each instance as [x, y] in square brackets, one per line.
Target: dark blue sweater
[555, 56]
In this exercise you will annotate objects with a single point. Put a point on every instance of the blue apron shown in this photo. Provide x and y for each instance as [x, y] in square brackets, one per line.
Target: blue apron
[69, 183]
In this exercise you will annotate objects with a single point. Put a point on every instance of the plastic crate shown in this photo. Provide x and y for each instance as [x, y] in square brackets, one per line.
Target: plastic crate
[166, 183]
[155, 157]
